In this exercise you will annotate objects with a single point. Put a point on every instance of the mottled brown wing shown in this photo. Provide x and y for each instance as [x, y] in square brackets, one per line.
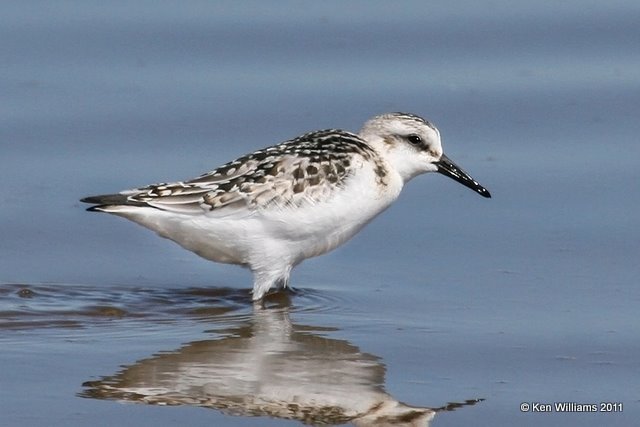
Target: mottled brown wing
[304, 170]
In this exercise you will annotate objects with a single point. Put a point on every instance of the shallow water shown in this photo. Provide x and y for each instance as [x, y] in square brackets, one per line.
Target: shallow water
[446, 301]
[244, 360]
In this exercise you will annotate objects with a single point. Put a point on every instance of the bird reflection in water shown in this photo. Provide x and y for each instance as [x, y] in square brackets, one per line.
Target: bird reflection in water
[265, 365]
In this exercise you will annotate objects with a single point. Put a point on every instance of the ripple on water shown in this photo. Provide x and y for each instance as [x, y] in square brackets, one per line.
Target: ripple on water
[34, 306]
[309, 300]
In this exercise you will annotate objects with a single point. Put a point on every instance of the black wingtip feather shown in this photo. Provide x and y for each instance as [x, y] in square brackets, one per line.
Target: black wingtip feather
[107, 199]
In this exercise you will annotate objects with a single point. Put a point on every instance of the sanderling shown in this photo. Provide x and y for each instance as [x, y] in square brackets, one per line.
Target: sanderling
[272, 209]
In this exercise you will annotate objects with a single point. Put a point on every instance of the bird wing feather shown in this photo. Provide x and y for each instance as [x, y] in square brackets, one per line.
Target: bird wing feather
[304, 170]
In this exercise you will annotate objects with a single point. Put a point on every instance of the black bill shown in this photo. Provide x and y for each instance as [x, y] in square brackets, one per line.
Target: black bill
[447, 168]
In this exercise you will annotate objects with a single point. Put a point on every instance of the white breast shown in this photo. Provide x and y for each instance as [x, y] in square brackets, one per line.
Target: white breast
[318, 228]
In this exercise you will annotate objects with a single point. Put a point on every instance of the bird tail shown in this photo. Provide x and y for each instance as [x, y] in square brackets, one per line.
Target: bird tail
[110, 202]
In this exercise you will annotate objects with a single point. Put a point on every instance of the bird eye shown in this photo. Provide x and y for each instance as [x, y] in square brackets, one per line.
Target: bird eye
[414, 139]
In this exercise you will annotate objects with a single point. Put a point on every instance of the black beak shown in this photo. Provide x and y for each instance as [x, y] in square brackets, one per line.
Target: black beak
[447, 168]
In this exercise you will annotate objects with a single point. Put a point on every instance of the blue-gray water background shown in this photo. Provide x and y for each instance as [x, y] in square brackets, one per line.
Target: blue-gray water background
[531, 296]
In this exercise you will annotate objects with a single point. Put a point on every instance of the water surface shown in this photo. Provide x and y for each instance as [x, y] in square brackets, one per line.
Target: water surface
[446, 301]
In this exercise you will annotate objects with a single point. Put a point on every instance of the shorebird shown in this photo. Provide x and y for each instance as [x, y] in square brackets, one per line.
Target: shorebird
[272, 209]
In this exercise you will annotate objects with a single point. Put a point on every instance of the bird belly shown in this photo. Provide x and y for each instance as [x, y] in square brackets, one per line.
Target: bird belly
[279, 236]
[216, 240]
